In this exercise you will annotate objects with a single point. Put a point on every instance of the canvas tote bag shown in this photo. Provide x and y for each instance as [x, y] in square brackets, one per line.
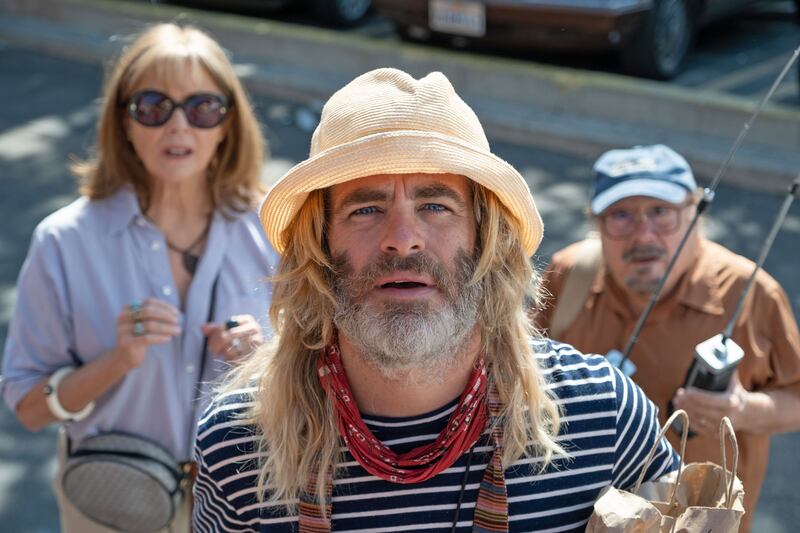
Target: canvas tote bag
[704, 498]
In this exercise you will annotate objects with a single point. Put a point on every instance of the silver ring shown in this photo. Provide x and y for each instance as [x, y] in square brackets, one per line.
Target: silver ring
[135, 309]
[236, 344]
[138, 328]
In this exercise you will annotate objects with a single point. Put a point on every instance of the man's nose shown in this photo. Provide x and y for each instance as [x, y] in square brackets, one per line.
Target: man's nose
[643, 231]
[402, 234]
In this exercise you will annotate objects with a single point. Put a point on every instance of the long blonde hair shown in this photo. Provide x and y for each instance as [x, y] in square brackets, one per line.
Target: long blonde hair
[168, 50]
[297, 422]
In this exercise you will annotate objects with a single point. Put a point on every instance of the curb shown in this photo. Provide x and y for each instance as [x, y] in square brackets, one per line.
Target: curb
[564, 110]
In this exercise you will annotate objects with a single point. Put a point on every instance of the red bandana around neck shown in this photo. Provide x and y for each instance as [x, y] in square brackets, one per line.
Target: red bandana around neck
[478, 406]
[464, 428]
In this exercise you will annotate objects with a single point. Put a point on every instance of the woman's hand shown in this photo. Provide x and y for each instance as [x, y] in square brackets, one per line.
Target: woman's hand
[139, 325]
[234, 342]
[157, 322]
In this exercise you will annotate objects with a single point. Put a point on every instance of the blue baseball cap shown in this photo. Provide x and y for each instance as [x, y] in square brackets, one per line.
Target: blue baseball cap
[655, 171]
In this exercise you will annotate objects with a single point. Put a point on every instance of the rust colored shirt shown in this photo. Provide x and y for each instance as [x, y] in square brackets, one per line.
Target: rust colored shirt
[698, 307]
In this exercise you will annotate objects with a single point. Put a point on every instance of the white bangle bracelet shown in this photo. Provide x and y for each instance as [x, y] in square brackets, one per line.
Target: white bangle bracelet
[51, 395]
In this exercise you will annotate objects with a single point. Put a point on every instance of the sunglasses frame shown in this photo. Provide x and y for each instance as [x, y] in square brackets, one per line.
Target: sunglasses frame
[131, 106]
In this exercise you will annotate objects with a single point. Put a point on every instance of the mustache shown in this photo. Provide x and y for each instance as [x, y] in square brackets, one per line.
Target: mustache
[342, 274]
[644, 252]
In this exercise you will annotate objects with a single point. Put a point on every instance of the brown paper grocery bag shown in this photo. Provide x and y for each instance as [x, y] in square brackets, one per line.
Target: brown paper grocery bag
[704, 498]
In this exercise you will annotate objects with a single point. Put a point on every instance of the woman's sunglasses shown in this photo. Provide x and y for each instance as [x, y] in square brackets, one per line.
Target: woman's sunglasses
[154, 108]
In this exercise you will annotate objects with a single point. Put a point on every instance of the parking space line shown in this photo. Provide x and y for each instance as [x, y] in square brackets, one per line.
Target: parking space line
[747, 74]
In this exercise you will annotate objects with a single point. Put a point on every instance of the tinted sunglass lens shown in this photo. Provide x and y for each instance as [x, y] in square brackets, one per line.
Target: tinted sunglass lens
[205, 110]
[151, 108]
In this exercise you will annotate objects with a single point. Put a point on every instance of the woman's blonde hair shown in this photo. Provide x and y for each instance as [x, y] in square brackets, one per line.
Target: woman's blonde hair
[295, 419]
[168, 50]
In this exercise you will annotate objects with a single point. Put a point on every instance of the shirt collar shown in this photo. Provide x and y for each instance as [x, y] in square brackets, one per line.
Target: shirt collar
[124, 210]
[698, 288]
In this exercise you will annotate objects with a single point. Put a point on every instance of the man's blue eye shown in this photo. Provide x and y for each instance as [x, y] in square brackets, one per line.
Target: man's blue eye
[365, 210]
[434, 207]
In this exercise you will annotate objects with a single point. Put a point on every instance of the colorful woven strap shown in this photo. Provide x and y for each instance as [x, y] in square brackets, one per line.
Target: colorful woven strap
[312, 517]
[491, 508]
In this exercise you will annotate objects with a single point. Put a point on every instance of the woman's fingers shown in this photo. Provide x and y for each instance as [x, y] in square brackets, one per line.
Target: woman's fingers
[151, 321]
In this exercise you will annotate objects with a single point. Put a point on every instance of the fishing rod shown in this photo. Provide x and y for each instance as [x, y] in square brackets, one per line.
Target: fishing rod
[622, 359]
[717, 358]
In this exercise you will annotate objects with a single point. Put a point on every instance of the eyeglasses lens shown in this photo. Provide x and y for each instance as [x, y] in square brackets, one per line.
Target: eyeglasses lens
[153, 109]
[620, 223]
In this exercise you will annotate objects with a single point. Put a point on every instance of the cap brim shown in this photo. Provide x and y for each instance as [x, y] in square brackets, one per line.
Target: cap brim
[400, 152]
[651, 188]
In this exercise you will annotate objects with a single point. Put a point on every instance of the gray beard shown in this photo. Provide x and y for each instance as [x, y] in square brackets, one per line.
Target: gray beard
[408, 339]
[642, 281]
[639, 284]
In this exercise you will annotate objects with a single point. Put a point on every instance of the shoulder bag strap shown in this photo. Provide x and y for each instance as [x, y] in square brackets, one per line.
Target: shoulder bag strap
[204, 353]
[576, 286]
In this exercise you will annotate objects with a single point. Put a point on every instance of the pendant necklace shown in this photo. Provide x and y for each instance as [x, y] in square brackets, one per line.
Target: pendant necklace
[188, 259]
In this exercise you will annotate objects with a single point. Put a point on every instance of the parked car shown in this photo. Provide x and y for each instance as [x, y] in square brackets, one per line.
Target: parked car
[652, 36]
[336, 12]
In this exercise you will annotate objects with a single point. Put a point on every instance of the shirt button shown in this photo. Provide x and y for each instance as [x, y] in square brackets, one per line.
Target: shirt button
[166, 290]
[140, 222]
[189, 369]
[155, 246]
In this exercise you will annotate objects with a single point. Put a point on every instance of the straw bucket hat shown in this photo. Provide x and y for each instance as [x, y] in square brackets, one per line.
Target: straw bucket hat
[387, 122]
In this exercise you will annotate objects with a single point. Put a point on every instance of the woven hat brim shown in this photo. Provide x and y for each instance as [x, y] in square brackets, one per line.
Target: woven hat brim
[400, 152]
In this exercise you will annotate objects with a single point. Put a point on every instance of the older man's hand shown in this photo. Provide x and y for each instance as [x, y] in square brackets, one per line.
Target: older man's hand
[706, 409]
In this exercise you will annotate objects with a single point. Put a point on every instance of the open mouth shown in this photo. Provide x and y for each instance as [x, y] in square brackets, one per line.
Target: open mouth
[403, 285]
[178, 152]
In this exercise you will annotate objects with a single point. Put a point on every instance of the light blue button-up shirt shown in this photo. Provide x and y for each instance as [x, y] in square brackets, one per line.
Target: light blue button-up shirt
[90, 259]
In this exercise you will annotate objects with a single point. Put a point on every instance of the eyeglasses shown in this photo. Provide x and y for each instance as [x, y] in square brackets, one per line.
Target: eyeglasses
[153, 108]
[618, 223]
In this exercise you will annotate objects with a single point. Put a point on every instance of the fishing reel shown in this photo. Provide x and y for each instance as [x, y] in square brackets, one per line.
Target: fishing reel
[715, 361]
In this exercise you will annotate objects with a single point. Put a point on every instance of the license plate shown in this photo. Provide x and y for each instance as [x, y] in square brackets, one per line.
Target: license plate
[457, 17]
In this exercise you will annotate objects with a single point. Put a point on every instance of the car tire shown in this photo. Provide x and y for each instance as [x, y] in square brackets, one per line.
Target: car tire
[405, 33]
[342, 12]
[659, 47]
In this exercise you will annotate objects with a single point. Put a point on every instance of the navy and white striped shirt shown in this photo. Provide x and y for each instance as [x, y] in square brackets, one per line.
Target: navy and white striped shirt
[608, 428]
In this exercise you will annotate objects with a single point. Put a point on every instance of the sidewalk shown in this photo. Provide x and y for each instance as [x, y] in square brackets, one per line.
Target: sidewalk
[570, 111]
